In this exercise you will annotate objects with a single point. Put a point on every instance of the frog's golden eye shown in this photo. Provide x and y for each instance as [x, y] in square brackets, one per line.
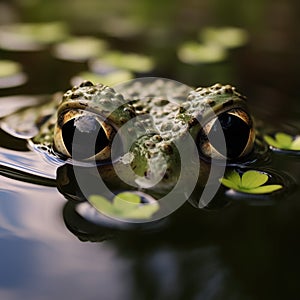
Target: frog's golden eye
[83, 136]
[236, 128]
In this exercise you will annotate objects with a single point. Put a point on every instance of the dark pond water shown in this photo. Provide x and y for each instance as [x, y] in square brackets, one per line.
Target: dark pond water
[245, 250]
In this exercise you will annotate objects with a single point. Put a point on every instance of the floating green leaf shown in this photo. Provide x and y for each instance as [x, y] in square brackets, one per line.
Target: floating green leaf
[43, 32]
[228, 37]
[9, 68]
[251, 182]
[265, 189]
[235, 178]
[253, 179]
[193, 52]
[32, 36]
[128, 61]
[80, 48]
[296, 144]
[11, 74]
[126, 201]
[143, 212]
[284, 141]
[101, 204]
[125, 205]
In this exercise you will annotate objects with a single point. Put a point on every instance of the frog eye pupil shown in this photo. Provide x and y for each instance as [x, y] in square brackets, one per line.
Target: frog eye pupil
[89, 132]
[236, 133]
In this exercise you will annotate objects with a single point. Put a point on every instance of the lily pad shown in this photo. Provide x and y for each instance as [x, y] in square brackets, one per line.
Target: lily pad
[31, 36]
[11, 74]
[128, 61]
[228, 37]
[80, 48]
[251, 182]
[193, 53]
[126, 205]
[126, 201]
[284, 141]
[253, 179]
[9, 68]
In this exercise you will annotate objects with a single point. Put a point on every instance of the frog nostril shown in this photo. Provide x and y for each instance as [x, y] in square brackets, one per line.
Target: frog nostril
[86, 83]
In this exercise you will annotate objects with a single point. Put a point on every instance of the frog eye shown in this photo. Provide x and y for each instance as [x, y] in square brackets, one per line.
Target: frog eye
[237, 128]
[84, 136]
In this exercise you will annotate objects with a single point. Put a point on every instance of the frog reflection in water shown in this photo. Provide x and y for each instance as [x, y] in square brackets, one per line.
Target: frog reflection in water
[148, 120]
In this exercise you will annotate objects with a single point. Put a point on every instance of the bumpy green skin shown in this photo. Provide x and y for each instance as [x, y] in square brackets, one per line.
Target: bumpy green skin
[184, 111]
[162, 115]
[99, 99]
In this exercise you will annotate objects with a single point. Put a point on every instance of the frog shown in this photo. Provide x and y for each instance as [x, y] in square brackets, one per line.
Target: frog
[134, 135]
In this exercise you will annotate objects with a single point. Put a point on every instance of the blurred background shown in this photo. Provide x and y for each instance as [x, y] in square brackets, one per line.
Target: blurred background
[251, 44]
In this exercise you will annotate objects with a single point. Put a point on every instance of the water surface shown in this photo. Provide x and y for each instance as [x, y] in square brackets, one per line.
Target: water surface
[241, 250]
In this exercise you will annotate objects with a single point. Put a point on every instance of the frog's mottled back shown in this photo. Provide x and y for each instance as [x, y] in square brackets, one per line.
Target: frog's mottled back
[166, 109]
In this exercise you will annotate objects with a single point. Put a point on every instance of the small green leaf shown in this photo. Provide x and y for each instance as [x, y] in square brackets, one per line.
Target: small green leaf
[265, 189]
[251, 182]
[252, 179]
[271, 141]
[129, 61]
[228, 183]
[101, 204]
[229, 37]
[129, 197]
[126, 201]
[9, 68]
[234, 177]
[296, 144]
[194, 53]
[283, 139]
[125, 205]
[80, 48]
[144, 211]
